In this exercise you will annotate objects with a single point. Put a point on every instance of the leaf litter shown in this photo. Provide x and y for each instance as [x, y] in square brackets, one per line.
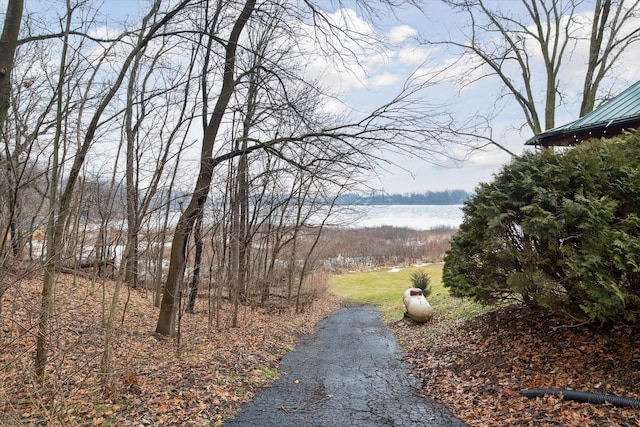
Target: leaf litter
[478, 367]
[154, 381]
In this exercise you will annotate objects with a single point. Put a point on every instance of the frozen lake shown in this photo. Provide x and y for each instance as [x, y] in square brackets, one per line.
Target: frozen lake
[419, 217]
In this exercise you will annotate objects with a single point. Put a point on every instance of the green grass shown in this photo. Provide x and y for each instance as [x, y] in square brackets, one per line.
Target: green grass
[269, 374]
[384, 289]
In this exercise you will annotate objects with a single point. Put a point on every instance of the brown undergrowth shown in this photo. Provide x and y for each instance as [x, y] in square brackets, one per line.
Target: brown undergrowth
[194, 381]
[478, 367]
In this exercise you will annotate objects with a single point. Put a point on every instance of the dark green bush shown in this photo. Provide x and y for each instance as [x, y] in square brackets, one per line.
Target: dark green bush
[420, 279]
[558, 230]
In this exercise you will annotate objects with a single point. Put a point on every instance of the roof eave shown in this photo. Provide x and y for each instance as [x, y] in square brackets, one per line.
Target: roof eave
[566, 136]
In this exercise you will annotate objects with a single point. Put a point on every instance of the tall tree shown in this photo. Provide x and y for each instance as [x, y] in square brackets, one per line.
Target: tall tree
[527, 44]
[61, 204]
[165, 325]
[54, 231]
[154, 118]
[8, 44]
[614, 28]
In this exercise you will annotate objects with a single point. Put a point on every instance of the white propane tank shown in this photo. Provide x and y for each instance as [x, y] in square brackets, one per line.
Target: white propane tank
[417, 306]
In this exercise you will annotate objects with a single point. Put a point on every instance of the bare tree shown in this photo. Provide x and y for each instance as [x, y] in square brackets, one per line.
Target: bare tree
[61, 202]
[158, 109]
[614, 28]
[535, 41]
[8, 45]
[337, 142]
[165, 325]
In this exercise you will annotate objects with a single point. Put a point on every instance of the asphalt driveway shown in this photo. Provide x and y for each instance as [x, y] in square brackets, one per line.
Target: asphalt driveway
[348, 373]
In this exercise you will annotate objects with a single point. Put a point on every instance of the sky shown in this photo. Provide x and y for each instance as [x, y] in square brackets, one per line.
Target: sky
[384, 77]
[383, 68]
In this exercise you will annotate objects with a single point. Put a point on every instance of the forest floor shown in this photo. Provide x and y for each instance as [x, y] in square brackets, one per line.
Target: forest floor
[476, 367]
[196, 380]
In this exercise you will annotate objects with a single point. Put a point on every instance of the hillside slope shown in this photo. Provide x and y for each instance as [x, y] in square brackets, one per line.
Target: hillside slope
[194, 381]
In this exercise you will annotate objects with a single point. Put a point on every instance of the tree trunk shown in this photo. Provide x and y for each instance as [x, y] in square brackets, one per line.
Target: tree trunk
[165, 325]
[8, 44]
[133, 213]
[15, 238]
[591, 79]
[195, 280]
[55, 228]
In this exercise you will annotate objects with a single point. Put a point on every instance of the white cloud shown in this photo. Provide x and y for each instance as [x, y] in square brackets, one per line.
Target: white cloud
[414, 55]
[492, 157]
[401, 33]
[340, 53]
[384, 79]
[357, 56]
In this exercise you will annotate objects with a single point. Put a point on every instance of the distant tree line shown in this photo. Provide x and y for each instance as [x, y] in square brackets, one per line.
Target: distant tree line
[448, 197]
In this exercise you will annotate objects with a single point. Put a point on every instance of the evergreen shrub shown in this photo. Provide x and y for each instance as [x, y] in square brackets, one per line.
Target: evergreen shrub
[421, 280]
[557, 230]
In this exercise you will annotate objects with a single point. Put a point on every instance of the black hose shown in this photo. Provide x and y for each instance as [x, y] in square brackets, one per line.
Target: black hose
[582, 396]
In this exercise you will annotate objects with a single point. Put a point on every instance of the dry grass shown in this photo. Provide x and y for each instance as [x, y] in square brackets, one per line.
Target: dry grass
[365, 248]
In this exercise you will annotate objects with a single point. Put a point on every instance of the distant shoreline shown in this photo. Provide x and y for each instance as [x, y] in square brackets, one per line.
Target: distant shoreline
[400, 204]
[429, 198]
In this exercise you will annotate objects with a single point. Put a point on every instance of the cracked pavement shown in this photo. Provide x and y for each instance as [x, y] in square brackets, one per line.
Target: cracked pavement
[348, 373]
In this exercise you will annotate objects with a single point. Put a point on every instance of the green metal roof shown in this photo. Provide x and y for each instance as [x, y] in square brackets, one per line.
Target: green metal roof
[610, 119]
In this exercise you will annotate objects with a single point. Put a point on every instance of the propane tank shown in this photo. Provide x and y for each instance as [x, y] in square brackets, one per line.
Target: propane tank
[417, 306]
